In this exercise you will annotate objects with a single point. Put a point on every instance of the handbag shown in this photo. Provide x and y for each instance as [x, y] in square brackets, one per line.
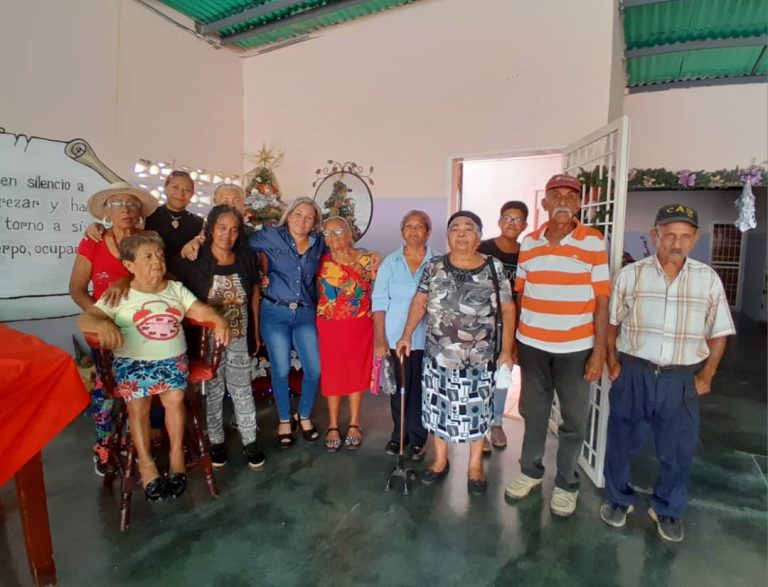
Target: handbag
[383, 377]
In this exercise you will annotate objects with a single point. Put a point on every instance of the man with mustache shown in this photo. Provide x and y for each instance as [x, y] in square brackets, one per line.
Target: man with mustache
[563, 286]
[669, 317]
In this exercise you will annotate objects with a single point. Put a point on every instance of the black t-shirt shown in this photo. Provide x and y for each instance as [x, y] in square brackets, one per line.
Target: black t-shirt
[509, 260]
[161, 221]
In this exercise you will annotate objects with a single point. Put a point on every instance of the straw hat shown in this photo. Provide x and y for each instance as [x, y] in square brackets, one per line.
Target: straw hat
[96, 203]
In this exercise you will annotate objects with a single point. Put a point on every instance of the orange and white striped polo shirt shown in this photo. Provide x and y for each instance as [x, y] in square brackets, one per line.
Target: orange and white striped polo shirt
[559, 284]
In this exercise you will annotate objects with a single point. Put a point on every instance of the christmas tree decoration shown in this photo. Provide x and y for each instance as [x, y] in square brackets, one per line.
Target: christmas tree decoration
[263, 202]
[342, 190]
[685, 179]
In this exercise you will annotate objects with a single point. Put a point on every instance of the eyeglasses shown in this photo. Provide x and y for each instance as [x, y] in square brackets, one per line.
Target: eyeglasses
[512, 219]
[335, 231]
[118, 204]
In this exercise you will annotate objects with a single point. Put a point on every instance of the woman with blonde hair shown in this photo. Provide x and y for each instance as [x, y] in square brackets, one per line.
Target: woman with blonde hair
[287, 317]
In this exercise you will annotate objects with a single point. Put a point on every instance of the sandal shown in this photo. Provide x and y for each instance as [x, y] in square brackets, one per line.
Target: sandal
[156, 490]
[353, 441]
[176, 484]
[309, 434]
[286, 440]
[332, 444]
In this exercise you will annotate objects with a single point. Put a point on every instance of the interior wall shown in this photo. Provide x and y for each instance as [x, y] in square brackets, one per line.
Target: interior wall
[409, 89]
[129, 82]
[706, 128]
[488, 184]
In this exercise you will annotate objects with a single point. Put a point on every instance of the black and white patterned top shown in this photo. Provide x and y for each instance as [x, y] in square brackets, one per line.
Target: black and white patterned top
[461, 312]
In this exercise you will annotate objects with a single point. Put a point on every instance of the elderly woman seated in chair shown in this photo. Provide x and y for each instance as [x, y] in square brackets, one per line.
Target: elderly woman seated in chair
[144, 332]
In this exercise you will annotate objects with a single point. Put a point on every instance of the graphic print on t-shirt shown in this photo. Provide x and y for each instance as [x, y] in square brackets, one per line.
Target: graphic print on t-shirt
[157, 320]
[227, 295]
[509, 260]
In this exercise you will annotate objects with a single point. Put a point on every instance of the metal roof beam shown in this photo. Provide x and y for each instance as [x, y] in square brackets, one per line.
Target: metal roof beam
[292, 20]
[759, 41]
[625, 4]
[246, 15]
[697, 83]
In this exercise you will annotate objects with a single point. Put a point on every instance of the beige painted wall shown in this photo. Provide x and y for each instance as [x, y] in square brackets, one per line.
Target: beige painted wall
[699, 128]
[130, 83]
[409, 89]
[119, 76]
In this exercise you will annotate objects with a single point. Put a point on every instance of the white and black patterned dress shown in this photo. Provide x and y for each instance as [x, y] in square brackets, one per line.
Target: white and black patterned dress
[461, 330]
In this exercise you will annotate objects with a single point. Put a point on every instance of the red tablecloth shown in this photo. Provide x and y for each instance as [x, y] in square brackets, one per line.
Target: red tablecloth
[40, 393]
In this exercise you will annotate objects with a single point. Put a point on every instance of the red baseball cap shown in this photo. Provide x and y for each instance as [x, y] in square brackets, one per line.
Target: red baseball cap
[563, 180]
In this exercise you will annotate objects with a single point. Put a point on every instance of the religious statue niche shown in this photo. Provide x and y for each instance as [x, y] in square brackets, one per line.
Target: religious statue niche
[342, 190]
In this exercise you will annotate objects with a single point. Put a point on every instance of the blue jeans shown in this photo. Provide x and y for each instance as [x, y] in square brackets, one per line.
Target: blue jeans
[499, 400]
[667, 404]
[282, 328]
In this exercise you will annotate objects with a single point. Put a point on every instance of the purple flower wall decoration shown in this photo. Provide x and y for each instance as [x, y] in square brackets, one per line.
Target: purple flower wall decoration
[686, 178]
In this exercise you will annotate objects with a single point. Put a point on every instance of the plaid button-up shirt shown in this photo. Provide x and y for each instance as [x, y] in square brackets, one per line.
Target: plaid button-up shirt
[667, 322]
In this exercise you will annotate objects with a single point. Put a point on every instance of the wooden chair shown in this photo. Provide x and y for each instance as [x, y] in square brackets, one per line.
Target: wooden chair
[122, 462]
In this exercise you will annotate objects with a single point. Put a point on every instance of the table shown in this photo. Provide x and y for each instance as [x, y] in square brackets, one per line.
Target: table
[41, 392]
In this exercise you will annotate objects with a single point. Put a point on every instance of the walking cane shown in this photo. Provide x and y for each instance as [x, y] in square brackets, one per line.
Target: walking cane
[400, 472]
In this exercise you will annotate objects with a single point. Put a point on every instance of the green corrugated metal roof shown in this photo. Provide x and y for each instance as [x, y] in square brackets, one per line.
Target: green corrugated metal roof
[678, 41]
[300, 16]
[211, 10]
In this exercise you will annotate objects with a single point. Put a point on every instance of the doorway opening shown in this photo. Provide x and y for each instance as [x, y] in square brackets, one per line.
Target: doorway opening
[482, 185]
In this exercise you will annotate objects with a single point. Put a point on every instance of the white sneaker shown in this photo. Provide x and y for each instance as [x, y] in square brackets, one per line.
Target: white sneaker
[521, 486]
[563, 502]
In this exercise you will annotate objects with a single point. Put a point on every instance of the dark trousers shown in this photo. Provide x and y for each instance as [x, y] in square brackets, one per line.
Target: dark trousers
[542, 373]
[415, 433]
[666, 402]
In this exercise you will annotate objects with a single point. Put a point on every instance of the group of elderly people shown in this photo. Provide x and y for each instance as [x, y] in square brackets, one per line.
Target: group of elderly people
[450, 319]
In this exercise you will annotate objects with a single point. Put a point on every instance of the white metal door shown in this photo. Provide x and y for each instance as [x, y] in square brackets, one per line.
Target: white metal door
[601, 161]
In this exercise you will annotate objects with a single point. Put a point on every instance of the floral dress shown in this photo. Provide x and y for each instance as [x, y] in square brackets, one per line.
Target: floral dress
[345, 325]
[460, 345]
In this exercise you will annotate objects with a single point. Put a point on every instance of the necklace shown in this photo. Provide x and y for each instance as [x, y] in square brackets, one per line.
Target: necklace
[174, 219]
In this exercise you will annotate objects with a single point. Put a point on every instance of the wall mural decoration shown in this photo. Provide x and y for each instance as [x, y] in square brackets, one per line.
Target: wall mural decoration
[342, 190]
[44, 185]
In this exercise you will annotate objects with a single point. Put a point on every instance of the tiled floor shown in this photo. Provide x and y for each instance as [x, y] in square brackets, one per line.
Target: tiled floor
[313, 518]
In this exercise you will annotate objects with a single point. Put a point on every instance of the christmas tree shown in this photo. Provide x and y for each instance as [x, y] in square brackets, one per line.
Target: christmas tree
[263, 201]
[340, 203]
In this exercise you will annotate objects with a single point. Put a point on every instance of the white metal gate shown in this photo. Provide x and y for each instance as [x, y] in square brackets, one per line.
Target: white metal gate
[727, 259]
[600, 161]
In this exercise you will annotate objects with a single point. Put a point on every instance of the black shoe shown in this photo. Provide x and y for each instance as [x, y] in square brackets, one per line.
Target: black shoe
[309, 434]
[287, 439]
[477, 486]
[219, 455]
[155, 490]
[429, 476]
[254, 455]
[176, 484]
[392, 448]
[418, 452]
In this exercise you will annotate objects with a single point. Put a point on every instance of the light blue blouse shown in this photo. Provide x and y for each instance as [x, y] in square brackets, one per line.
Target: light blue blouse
[393, 291]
